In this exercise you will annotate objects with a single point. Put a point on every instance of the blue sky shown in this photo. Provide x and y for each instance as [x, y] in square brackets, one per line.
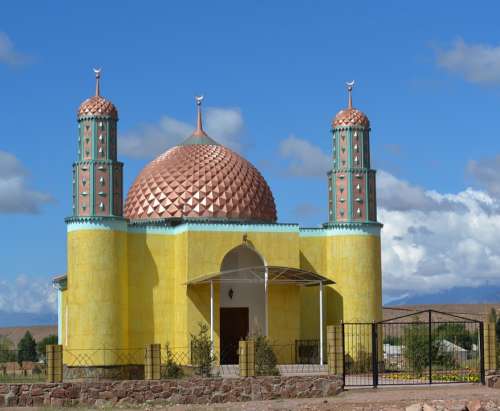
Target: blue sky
[427, 75]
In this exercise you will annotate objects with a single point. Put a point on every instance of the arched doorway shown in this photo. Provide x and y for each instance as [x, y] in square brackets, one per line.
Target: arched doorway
[242, 303]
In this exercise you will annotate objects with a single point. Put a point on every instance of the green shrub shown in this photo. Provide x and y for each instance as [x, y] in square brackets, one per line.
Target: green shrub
[7, 350]
[201, 351]
[362, 363]
[265, 358]
[392, 340]
[171, 369]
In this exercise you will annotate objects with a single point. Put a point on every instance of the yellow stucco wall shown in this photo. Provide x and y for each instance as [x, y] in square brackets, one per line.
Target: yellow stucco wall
[126, 290]
[355, 262]
[284, 321]
[151, 270]
[97, 301]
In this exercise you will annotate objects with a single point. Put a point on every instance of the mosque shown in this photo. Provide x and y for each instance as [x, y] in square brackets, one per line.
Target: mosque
[198, 240]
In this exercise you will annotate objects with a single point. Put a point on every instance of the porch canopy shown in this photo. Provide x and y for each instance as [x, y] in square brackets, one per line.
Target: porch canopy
[266, 275]
[262, 274]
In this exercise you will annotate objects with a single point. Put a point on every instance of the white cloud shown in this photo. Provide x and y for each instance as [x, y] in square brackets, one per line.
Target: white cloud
[477, 63]
[396, 194]
[431, 241]
[306, 159]
[15, 196]
[486, 172]
[8, 54]
[430, 250]
[27, 295]
[224, 125]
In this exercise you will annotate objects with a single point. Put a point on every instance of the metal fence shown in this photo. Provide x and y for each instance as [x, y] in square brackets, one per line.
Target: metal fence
[22, 366]
[414, 349]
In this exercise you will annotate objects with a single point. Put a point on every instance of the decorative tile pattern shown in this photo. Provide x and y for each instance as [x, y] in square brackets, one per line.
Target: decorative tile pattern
[97, 106]
[200, 180]
[358, 197]
[350, 117]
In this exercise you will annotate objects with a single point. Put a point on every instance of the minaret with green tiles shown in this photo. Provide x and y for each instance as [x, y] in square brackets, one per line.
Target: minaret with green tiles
[351, 182]
[97, 174]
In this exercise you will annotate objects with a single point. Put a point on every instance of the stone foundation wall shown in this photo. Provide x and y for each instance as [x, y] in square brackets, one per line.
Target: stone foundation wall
[115, 372]
[493, 381]
[183, 391]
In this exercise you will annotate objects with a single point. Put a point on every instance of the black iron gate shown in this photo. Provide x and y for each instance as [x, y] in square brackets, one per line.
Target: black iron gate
[425, 347]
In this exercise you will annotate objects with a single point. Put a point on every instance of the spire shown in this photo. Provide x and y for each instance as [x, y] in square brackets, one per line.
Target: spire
[97, 82]
[350, 86]
[199, 132]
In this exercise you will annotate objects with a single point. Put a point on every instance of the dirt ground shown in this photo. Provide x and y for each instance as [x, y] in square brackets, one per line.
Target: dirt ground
[451, 397]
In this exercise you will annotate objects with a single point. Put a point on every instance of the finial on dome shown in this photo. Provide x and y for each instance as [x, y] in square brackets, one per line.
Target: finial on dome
[350, 86]
[199, 124]
[97, 81]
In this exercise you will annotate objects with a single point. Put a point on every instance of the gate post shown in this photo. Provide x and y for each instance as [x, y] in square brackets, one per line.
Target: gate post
[152, 362]
[490, 346]
[54, 363]
[374, 355]
[246, 358]
[335, 352]
[429, 354]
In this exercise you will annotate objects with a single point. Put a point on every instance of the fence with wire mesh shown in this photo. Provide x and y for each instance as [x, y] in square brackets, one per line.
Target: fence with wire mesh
[22, 366]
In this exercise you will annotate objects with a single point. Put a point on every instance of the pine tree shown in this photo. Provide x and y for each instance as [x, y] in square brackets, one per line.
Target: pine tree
[41, 346]
[26, 349]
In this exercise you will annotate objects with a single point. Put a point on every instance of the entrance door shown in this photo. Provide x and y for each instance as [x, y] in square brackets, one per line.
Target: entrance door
[233, 328]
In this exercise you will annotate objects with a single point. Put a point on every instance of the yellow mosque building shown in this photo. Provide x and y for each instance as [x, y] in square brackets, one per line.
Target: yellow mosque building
[198, 240]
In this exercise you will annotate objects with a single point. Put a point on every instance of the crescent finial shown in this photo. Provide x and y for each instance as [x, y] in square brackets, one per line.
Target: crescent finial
[97, 82]
[350, 85]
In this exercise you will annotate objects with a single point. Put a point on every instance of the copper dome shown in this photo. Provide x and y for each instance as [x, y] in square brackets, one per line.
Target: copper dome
[97, 105]
[200, 178]
[350, 117]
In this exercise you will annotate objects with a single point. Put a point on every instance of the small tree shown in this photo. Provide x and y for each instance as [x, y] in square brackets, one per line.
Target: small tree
[265, 358]
[202, 356]
[7, 350]
[26, 349]
[41, 346]
[171, 369]
[416, 350]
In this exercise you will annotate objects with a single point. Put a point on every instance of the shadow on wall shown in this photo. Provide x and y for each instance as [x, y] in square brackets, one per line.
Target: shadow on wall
[333, 301]
[143, 279]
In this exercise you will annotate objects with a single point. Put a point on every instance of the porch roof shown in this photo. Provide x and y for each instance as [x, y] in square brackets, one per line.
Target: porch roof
[275, 275]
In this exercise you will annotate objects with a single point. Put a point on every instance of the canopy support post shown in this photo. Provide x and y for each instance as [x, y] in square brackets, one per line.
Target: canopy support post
[266, 297]
[321, 323]
[212, 317]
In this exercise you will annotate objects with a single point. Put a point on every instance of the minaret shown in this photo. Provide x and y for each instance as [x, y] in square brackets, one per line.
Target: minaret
[97, 174]
[351, 182]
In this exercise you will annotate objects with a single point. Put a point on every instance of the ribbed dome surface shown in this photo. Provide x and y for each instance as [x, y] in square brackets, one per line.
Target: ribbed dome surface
[350, 117]
[200, 180]
[97, 106]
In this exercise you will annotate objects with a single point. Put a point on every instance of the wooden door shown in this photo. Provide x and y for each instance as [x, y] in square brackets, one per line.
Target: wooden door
[233, 328]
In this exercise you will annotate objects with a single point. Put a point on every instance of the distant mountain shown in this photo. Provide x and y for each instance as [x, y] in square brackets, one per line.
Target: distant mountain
[458, 295]
[25, 319]
[39, 332]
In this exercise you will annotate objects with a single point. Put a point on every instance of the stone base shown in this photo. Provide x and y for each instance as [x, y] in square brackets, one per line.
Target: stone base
[111, 372]
[165, 392]
[493, 381]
